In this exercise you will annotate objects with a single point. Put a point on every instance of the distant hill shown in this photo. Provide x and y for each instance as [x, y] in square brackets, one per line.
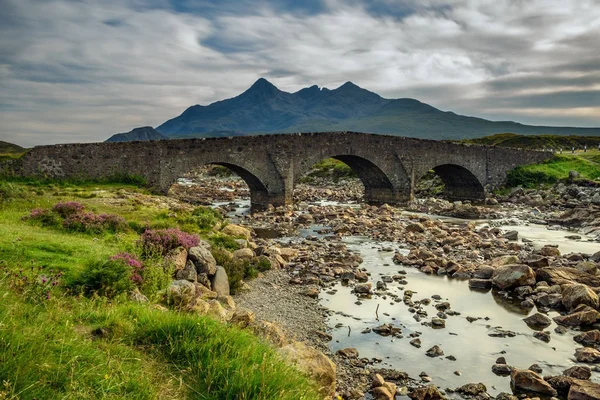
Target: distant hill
[143, 133]
[10, 148]
[263, 108]
[538, 141]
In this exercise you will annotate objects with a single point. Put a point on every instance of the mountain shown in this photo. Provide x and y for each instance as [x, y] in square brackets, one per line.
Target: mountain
[10, 148]
[143, 133]
[263, 108]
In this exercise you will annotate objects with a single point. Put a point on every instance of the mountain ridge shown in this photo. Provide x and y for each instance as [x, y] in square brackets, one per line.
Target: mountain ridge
[143, 133]
[264, 108]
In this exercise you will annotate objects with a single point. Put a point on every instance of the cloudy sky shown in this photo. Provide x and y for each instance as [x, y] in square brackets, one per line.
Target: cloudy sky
[80, 71]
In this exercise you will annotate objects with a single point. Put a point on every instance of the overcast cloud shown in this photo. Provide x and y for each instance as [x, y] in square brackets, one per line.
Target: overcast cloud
[80, 71]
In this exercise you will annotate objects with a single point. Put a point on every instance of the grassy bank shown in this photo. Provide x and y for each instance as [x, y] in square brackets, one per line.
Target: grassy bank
[329, 168]
[56, 342]
[557, 169]
[538, 142]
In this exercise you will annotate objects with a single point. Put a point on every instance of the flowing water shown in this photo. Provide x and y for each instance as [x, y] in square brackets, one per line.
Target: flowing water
[469, 342]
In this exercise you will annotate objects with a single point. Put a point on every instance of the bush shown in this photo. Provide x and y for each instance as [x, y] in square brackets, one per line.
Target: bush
[162, 241]
[110, 277]
[43, 216]
[9, 191]
[224, 241]
[95, 223]
[238, 270]
[156, 276]
[206, 217]
[66, 209]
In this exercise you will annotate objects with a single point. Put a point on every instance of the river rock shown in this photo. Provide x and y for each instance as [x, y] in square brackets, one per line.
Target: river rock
[382, 393]
[511, 235]
[435, 351]
[220, 282]
[522, 380]
[483, 272]
[589, 338]
[472, 389]
[543, 336]
[578, 372]
[536, 262]
[348, 352]
[415, 227]
[588, 267]
[513, 275]
[483, 284]
[501, 369]
[288, 253]
[237, 231]
[537, 321]
[567, 275]
[584, 390]
[576, 294]
[587, 355]
[314, 363]
[583, 315]
[181, 292]
[550, 251]
[363, 288]
[560, 383]
[416, 343]
[203, 260]
[217, 311]
[429, 392]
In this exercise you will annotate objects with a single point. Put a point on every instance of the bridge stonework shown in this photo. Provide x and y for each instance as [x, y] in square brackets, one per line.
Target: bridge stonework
[389, 166]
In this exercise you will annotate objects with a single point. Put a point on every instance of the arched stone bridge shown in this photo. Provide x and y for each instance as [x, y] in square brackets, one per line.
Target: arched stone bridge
[389, 166]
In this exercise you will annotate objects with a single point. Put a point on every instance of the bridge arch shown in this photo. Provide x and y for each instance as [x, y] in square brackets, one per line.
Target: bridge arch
[384, 182]
[460, 183]
[261, 187]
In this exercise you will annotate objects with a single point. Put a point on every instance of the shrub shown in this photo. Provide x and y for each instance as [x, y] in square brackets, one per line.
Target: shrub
[137, 268]
[206, 217]
[238, 270]
[68, 208]
[224, 241]
[44, 216]
[107, 278]
[95, 223]
[9, 191]
[157, 275]
[162, 241]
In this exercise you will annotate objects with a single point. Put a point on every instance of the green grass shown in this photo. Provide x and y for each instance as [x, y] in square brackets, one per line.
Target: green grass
[47, 347]
[537, 141]
[555, 169]
[329, 168]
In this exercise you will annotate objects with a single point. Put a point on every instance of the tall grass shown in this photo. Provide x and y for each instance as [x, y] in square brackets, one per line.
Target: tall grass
[553, 170]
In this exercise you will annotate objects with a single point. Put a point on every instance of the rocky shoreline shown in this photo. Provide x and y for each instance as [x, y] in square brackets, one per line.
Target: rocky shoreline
[487, 256]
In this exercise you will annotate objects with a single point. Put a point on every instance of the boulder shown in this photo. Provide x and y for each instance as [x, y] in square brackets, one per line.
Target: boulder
[501, 369]
[287, 253]
[526, 381]
[578, 372]
[550, 251]
[416, 227]
[581, 316]
[203, 260]
[587, 355]
[314, 363]
[243, 254]
[472, 389]
[217, 311]
[537, 321]
[589, 338]
[220, 281]
[576, 294]
[363, 288]
[567, 275]
[348, 352]
[177, 257]
[513, 275]
[429, 392]
[483, 272]
[181, 293]
[270, 332]
[511, 235]
[383, 393]
[584, 390]
[482, 284]
[560, 383]
[237, 231]
[188, 272]
[205, 293]
[242, 318]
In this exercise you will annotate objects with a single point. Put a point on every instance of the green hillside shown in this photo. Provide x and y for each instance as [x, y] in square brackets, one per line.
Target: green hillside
[538, 141]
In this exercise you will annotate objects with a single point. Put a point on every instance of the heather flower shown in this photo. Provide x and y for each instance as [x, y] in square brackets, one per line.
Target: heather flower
[162, 241]
[134, 263]
[66, 209]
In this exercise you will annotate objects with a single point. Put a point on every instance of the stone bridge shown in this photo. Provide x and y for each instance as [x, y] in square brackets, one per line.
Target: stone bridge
[389, 166]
